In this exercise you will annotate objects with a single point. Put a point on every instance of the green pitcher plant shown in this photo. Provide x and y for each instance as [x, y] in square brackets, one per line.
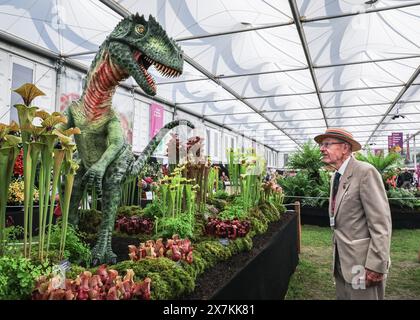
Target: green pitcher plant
[176, 198]
[52, 149]
[8, 153]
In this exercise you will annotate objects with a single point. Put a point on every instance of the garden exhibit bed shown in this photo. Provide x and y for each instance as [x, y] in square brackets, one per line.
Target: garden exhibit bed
[261, 273]
[402, 218]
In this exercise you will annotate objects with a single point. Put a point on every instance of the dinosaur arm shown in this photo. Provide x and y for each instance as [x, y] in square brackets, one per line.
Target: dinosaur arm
[115, 142]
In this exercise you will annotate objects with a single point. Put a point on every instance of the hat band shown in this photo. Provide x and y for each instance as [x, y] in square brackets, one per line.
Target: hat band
[338, 134]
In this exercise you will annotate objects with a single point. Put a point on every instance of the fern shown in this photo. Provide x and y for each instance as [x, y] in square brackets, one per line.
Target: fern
[302, 185]
[380, 162]
[402, 198]
[308, 158]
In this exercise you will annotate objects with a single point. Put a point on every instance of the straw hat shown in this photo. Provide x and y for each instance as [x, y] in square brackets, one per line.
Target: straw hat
[340, 134]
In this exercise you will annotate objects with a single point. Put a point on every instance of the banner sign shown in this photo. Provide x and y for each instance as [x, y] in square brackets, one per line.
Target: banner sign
[156, 119]
[396, 142]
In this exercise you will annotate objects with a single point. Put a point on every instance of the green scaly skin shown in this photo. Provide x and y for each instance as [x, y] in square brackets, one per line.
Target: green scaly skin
[106, 159]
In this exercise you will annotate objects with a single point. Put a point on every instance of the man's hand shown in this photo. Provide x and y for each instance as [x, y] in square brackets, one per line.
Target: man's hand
[94, 176]
[373, 278]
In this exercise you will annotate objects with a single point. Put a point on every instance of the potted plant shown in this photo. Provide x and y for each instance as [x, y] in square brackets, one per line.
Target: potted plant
[15, 208]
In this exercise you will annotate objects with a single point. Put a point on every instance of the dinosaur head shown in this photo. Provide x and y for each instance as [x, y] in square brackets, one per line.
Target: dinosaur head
[135, 44]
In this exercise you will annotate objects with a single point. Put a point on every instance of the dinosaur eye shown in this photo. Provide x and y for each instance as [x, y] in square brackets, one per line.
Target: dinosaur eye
[139, 29]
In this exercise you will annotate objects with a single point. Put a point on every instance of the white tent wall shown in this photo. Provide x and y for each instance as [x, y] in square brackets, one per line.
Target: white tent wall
[140, 125]
[16, 66]
[5, 83]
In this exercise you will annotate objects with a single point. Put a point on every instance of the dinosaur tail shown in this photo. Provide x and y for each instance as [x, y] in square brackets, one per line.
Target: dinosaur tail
[139, 163]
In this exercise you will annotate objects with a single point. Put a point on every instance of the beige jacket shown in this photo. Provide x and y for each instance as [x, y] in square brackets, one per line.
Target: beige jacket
[362, 232]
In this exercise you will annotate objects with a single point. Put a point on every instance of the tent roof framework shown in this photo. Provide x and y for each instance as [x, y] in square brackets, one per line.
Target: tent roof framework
[277, 72]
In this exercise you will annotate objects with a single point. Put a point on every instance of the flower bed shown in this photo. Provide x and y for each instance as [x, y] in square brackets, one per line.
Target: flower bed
[261, 273]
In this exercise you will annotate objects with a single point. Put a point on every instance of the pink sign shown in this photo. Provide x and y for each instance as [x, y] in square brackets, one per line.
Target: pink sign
[397, 141]
[156, 119]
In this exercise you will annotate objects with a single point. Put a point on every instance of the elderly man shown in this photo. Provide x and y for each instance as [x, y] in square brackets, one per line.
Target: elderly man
[360, 218]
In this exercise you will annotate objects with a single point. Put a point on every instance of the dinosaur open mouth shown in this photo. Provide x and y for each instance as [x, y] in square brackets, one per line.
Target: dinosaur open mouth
[145, 62]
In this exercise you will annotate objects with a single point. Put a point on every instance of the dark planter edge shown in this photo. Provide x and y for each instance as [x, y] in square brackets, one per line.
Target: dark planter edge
[267, 246]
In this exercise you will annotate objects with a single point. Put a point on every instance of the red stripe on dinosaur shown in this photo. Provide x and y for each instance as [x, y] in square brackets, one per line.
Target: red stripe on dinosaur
[101, 86]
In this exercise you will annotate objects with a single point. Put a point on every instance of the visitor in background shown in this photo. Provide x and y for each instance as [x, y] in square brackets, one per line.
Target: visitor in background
[224, 179]
[405, 179]
[360, 218]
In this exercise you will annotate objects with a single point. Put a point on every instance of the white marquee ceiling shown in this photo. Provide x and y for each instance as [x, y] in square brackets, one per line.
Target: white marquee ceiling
[279, 72]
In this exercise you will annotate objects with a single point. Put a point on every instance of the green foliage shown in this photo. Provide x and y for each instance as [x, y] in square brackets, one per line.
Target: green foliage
[169, 280]
[221, 194]
[220, 185]
[152, 170]
[308, 157]
[302, 185]
[199, 226]
[76, 251]
[159, 287]
[11, 244]
[218, 203]
[259, 222]
[74, 271]
[323, 189]
[18, 276]
[89, 221]
[212, 251]
[258, 226]
[408, 198]
[128, 211]
[180, 225]
[195, 268]
[311, 181]
[261, 216]
[153, 210]
[381, 162]
[233, 211]
[240, 244]
[270, 211]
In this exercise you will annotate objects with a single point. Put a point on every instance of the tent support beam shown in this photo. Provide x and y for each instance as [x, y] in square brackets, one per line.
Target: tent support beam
[402, 6]
[299, 27]
[397, 98]
[218, 34]
[301, 68]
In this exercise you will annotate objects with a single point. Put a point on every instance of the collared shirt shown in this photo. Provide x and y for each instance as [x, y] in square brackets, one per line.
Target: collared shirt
[343, 166]
[341, 171]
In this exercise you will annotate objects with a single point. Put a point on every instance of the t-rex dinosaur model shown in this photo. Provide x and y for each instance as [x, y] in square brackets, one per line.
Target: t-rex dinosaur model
[106, 159]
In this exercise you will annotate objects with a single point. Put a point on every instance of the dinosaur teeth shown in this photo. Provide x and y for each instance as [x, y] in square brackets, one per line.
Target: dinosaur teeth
[164, 70]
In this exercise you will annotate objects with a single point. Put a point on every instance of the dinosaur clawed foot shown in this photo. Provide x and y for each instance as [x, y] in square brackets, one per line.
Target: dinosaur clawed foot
[104, 257]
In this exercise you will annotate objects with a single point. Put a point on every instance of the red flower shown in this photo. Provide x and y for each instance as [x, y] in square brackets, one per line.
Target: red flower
[57, 211]
[148, 180]
[18, 168]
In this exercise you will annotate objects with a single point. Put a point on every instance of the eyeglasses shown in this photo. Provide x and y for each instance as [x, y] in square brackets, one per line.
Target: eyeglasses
[328, 144]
